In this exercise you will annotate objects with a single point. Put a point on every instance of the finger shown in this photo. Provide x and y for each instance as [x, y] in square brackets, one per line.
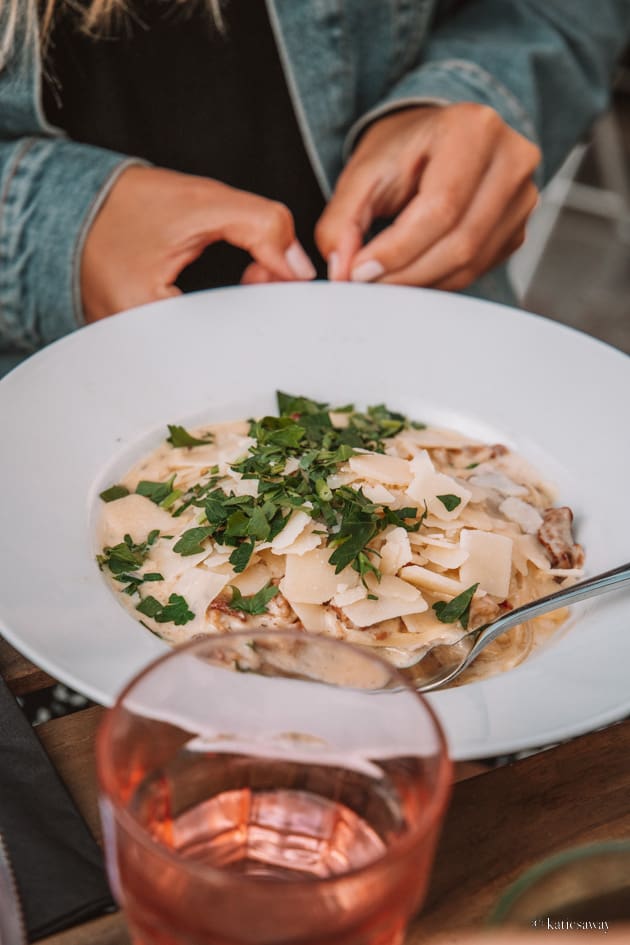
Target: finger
[257, 274]
[462, 279]
[340, 259]
[496, 212]
[446, 190]
[167, 292]
[347, 216]
[263, 227]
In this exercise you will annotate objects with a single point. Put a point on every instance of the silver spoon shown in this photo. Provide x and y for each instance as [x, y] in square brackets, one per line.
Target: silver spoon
[482, 636]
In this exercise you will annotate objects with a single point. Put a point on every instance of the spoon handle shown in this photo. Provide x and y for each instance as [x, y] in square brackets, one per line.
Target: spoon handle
[592, 587]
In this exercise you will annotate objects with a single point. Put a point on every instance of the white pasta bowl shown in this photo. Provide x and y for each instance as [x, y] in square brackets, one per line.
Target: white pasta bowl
[76, 416]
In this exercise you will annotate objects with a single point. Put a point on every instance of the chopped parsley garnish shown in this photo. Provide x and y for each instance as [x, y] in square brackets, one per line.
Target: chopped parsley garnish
[190, 542]
[196, 494]
[133, 581]
[293, 457]
[158, 492]
[124, 560]
[176, 611]
[126, 556]
[359, 522]
[449, 501]
[235, 521]
[257, 603]
[304, 435]
[456, 609]
[179, 436]
[114, 492]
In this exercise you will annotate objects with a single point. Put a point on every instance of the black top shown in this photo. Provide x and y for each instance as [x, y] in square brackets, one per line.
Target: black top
[171, 88]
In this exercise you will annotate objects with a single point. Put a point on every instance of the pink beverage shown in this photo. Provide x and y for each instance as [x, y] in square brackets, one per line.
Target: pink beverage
[268, 807]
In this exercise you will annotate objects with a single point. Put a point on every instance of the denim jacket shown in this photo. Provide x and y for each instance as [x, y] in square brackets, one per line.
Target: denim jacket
[544, 65]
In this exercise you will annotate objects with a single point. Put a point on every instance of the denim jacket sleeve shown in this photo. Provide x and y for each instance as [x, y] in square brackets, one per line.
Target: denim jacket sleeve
[50, 190]
[546, 67]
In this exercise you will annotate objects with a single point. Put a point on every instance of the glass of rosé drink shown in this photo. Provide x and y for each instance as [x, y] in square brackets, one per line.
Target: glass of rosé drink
[270, 788]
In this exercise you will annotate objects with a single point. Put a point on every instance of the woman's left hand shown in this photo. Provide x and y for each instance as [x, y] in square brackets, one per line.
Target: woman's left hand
[458, 182]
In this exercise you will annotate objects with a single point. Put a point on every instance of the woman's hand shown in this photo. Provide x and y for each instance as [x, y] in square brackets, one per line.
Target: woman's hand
[458, 182]
[155, 222]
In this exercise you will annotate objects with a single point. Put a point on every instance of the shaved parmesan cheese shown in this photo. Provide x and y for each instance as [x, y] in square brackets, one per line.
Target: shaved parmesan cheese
[446, 485]
[390, 586]
[430, 581]
[491, 479]
[418, 559]
[339, 419]
[252, 579]
[275, 563]
[530, 548]
[435, 436]
[427, 484]
[338, 479]
[168, 563]
[489, 563]
[233, 447]
[199, 587]
[349, 596]
[378, 494]
[303, 543]
[396, 551]
[310, 579]
[296, 524]
[240, 486]
[313, 617]
[381, 468]
[450, 558]
[367, 612]
[425, 629]
[134, 515]
[522, 513]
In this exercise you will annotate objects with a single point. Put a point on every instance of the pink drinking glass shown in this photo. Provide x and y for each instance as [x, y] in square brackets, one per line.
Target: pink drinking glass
[270, 787]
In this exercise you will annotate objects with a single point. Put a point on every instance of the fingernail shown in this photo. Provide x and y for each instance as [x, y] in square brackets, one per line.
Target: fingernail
[333, 266]
[367, 271]
[299, 263]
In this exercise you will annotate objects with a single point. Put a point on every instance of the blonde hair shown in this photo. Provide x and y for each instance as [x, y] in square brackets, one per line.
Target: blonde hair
[97, 15]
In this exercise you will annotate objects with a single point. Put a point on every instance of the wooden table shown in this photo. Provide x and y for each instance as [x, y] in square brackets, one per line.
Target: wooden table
[500, 821]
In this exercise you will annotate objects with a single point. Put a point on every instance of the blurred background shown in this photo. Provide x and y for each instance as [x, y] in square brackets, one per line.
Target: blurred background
[575, 264]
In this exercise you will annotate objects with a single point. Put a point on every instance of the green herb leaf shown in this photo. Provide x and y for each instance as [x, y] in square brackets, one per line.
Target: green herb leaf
[449, 501]
[176, 611]
[257, 603]
[156, 491]
[149, 606]
[123, 557]
[191, 542]
[114, 492]
[239, 559]
[170, 499]
[288, 404]
[179, 436]
[258, 526]
[456, 609]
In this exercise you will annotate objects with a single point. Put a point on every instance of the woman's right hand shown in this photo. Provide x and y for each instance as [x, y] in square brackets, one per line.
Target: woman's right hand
[155, 222]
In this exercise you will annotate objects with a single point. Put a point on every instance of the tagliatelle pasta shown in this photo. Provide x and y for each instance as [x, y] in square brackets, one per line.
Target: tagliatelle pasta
[364, 526]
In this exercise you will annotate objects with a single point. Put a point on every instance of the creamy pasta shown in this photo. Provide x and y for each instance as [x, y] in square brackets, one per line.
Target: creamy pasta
[362, 526]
